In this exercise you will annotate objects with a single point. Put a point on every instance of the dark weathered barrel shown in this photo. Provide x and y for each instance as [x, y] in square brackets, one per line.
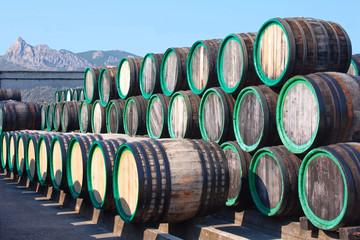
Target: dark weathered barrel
[238, 163]
[19, 115]
[127, 78]
[273, 181]
[285, 47]
[98, 118]
[30, 155]
[235, 64]
[85, 117]
[318, 109]
[10, 94]
[183, 115]
[43, 158]
[43, 108]
[114, 116]
[201, 65]
[134, 116]
[100, 172]
[329, 186]
[4, 149]
[91, 78]
[215, 115]
[157, 116]
[173, 70]
[202, 188]
[255, 118]
[49, 116]
[107, 85]
[354, 67]
[57, 116]
[150, 74]
[70, 116]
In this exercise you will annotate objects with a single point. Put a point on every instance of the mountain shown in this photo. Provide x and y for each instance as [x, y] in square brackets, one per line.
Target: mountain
[22, 56]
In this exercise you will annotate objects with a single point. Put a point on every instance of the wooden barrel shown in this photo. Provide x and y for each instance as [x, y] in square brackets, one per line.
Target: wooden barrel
[43, 108]
[114, 116]
[49, 116]
[127, 78]
[70, 116]
[98, 118]
[238, 163]
[100, 172]
[215, 115]
[12, 144]
[161, 167]
[354, 67]
[4, 149]
[329, 186]
[81, 95]
[134, 116]
[157, 116]
[173, 70]
[318, 109]
[20, 152]
[273, 181]
[255, 118]
[107, 85]
[30, 155]
[85, 117]
[62, 95]
[10, 94]
[91, 79]
[19, 115]
[76, 94]
[201, 65]
[57, 96]
[235, 64]
[43, 158]
[57, 116]
[285, 47]
[150, 74]
[183, 115]
[69, 94]
[58, 156]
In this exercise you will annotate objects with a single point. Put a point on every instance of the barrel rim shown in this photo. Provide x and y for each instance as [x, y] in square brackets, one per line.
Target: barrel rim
[221, 96]
[148, 120]
[290, 57]
[219, 65]
[72, 190]
[37, 160]
[56, 138]
[2, 160]
[131, 99]
[27, 167]
[146, 95]
[194, 47]
[245, 147]
[164, 89]
[20, 136]
[172, 99]
[100, 87]
[254, 161]
[316, 221]
[87, 99]
[290, 145]
[121, 95]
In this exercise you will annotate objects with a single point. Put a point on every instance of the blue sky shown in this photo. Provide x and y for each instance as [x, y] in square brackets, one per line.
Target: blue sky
[141, 27]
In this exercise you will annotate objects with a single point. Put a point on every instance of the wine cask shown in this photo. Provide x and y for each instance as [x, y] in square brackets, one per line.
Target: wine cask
[91, 82]
[49, 116]
[4, 142]
[156, 116]
[354, 67]
[43, 158]
[150, 74]
[114, 116]
[43, 108]
[70, 116]
[57, 116]
[98, 118]
[134, 116]
[107, 85]
[127, 78]
[30, 155]
[10, 94]
[85, 117]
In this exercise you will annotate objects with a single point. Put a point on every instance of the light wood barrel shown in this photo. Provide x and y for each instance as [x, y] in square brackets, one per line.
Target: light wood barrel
[30, 155]
[12, 141]
[127, 78]
[20, 152]
[354, 67]
[43, 108]
[100, 172]
[285, 47]
[85, 117]
[91, 79]
[70, 116]
[273, 181]
[318, 109]
[98, 118]
[150, 74]
[107, 85]
[19, 115]
[4, 149]
[114, 116]
[43, 158]
[57, 116]
[10, 94]
[69, 94]
[238, 163]
[235, 64]
[49, 116]
[134, 116]
[255, 118]
[215, 115]
[183, 115]
[173, 70]
[161, 167]
[157, 115]
[201, 65]
[329, 186]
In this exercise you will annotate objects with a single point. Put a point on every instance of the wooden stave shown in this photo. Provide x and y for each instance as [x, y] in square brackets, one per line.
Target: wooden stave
[165, 104]
[95, 71]
[118, 104]
[134, 88]
[102, 117]
[156, 87]
[4, 157]
[181, 83]
[301, 62]
[71, 110]
[85, 127]
[111, 91]
[269, 134]
[248, 76]
[227, 132]
[141, 106]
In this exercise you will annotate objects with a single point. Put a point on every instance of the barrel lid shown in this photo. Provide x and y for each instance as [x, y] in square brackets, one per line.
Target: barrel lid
[103, 74]
[153, 98]
[89, 76]
[178, 96]
[148, 59]
[123, 78]
[54, 149]
[197, 46]
[169, 52]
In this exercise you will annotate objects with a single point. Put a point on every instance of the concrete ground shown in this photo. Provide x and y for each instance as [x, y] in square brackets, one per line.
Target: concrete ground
[26, 214]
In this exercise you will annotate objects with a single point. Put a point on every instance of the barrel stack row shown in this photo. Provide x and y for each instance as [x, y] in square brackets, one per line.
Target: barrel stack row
[70, 94]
